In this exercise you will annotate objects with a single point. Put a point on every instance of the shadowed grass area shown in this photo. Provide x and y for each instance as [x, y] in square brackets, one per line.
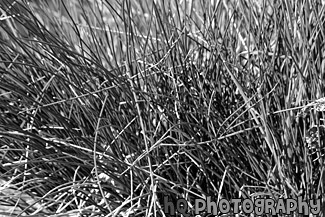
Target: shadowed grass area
[107, 106]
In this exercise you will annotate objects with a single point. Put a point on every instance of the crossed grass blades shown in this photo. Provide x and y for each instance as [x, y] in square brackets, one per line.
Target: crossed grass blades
[315, 136]
[106, 106]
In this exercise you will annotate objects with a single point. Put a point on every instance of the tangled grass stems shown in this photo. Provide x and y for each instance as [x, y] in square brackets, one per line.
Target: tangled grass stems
[108, 106]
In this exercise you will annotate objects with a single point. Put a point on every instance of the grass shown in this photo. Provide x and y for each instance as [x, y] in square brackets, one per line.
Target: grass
[107, 106]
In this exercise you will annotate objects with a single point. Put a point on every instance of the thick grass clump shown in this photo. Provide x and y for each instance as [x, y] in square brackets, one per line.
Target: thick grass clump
[108, 106]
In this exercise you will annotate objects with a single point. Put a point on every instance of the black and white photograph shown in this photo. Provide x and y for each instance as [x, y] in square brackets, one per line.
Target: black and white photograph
[156, 108]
